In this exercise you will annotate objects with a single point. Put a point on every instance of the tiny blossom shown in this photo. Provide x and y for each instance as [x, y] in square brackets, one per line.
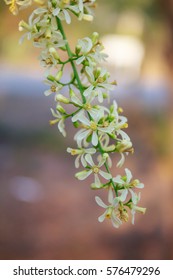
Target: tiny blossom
[126, 183]
[54, 87]
[134, 208]
[111, 209]
[90, 50]
[60, 120]
[94, 111]
[85, 45]
[16, 5]
[99, 83]
[95, 169]
[92, 128]
[81, 155]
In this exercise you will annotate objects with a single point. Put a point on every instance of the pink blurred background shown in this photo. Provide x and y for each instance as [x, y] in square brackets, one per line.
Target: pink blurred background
[45, 213]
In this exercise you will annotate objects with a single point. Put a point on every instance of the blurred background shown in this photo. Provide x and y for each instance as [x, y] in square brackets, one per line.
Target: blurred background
[45, 213]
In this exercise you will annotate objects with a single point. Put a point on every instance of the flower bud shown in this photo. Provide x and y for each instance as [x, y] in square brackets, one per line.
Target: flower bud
[87, 17]
[78, 49]
[51, 78]
[58, 75]
[23, 25]
[53, 51]
[60, 109]
[95, 37]
[71, 92]
[61, 98]
[124, 146]
[48, 33]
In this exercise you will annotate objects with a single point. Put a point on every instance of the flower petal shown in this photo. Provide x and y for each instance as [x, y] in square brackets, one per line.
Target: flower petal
[100, 202]
[128, 175]
[89, 159]
[82, 175]
[105, 175]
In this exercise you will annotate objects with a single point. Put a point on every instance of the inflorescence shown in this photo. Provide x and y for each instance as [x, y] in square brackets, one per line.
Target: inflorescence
[100, 130]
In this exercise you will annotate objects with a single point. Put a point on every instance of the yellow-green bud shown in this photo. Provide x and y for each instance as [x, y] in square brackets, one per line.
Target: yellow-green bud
[60, 109]
[87, 17]
[77, 49]
[23, 25]
[58, 75]
[63, 99]
[53, 51]
[124, 146]
[95, 37]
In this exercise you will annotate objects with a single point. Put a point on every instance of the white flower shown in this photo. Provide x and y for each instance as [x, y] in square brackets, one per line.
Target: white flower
[60, 120]
[92, 128]
[99, 83]
[85, 45]
[16, 5]
[54, 87]
[81, 155]
[134, 208]
[95, 169]
[127, 185]
[97, 55]
[111, 209]
[94, 111]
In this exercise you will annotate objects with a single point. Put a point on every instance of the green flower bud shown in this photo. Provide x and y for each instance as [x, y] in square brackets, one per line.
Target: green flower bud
[63, 99]
[77, 49]
[60, 109]
[95, 37]
[53, 51]
[58, 75]
[51, 78]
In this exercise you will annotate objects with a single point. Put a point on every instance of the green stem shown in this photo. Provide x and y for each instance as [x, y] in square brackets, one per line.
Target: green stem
[81, 88]
[71, 59]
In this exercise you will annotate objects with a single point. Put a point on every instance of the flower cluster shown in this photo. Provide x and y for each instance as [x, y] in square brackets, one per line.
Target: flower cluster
[100, 133]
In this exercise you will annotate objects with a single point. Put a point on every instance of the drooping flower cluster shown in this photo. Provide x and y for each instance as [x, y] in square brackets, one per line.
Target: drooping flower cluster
[100, 129]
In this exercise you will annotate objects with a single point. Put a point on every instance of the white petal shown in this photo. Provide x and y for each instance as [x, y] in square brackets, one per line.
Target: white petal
[133, 212]
[90, 73]
[140, 186]
[128, 174]
[90, 151]
[110, 196]
[77, 161]
[123, 195]
[67, 16]
[100, 202]
[102, 217]
[105, 175]
[83, 174]
[121, 161]
[84, 120]
[118, 180]
[88, 91]
[48, 92]
[100, 97]
[76, 100]
[134, 196]
[84, 163]
[77, 116]
[61, 127]
[124, 135]
[89, 159]
[80, 60]
[94, 139]
[97, 181]
[116, 222]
